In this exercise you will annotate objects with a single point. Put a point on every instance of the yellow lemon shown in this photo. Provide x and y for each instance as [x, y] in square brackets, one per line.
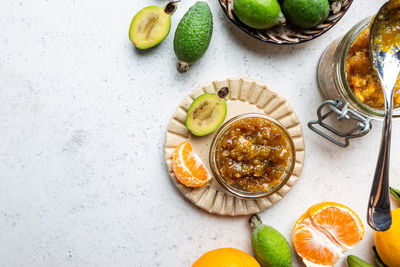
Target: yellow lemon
[226, 257]
[388, 243]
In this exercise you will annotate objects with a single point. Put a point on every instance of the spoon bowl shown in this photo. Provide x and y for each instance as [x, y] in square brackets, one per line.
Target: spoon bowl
[385, 54]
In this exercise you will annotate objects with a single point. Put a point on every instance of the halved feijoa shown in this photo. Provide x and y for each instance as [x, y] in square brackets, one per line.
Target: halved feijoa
[207, 112]
[151, 25]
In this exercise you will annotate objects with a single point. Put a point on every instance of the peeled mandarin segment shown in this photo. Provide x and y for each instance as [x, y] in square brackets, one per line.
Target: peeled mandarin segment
[343, 225]
[313, 246]
[178, 164]
[188, 167]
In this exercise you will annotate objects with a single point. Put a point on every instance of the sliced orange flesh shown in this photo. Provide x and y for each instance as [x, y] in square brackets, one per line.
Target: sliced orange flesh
[313, 246]
[341, 224]
[188, 167]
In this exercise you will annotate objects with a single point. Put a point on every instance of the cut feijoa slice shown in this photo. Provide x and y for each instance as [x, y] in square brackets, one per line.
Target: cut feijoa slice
[207, 112]
[151, 25]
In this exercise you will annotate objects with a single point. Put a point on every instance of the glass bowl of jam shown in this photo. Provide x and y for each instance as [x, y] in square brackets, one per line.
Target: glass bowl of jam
[252, 156]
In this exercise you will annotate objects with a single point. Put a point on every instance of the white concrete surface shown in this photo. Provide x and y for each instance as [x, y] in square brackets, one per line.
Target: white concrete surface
[82, 121]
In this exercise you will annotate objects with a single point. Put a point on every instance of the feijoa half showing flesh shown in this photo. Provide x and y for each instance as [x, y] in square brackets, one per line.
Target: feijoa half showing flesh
[151, 25]
[207, 112]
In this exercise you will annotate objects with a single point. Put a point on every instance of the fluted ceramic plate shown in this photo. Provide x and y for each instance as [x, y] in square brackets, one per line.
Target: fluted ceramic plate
[286, 33]
[245, 96]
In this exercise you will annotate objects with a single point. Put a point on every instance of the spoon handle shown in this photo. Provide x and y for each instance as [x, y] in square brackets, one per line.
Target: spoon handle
[379, 215]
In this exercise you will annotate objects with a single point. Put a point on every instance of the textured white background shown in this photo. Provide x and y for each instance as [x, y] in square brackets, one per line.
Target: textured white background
[82, 122]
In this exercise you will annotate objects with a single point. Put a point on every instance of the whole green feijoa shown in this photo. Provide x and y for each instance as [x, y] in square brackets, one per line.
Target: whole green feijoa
[306, 13]
[258, 14]
[270, 247]
[193, 35]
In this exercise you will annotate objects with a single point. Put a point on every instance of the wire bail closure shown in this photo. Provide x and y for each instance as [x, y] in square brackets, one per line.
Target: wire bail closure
[344, 112]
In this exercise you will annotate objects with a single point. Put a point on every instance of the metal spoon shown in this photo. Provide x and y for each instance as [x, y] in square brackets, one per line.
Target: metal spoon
[386, 60]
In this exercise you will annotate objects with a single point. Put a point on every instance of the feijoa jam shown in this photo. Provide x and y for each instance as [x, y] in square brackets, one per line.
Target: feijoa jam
[253, 154]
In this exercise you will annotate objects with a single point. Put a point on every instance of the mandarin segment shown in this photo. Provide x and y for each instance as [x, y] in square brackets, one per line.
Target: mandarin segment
[188, 167]
[312, 245]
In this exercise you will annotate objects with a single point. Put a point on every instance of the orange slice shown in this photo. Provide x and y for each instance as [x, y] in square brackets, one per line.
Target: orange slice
[324, 232]
[188, 168]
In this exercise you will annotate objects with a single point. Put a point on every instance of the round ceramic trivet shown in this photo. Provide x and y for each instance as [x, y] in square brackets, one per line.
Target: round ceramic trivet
[245, 96]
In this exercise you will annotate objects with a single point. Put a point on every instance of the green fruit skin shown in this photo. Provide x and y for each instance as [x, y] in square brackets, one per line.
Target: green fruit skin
[193, 34]
[378, 260]
[354, 261]
[258, 14]
[306, 13]
[271, 248]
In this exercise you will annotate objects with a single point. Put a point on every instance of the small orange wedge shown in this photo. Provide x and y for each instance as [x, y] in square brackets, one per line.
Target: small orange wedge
[324, 232]
[188, 167]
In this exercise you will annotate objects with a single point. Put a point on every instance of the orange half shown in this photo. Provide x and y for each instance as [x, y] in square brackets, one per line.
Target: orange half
[324, 232]
[188, 168]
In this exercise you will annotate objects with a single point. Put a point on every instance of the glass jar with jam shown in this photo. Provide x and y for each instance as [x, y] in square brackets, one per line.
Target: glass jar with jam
[347, 79]
[252, 156]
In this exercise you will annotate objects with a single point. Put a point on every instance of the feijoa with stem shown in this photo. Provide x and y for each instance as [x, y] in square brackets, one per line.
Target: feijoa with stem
[193, 35]
[207, 112]
[270, 247]
[151, 25]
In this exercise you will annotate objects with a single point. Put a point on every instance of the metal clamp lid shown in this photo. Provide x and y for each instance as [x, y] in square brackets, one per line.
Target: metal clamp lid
[344, 112]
